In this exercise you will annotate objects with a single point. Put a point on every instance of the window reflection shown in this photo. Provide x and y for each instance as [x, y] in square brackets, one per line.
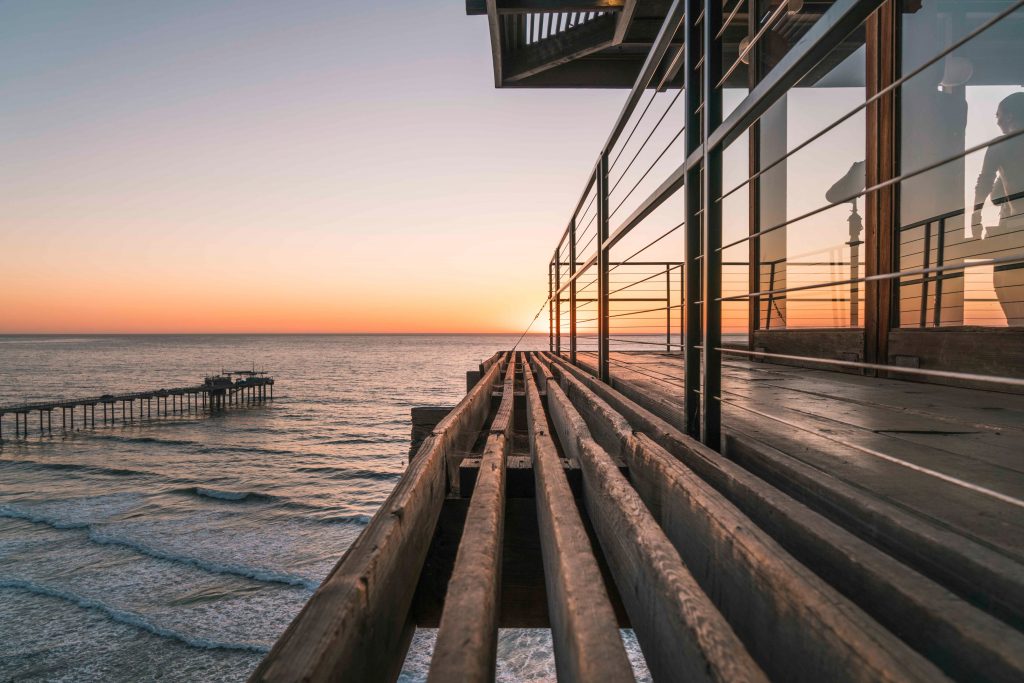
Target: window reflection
[825, 247]
[969, 209]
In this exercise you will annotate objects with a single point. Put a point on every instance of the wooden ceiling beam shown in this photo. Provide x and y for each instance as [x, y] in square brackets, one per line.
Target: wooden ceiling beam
[625, 19]
[546, 6]
[561, 48]
[497, 49]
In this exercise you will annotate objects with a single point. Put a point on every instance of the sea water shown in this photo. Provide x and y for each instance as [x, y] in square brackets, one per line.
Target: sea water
[179, 549]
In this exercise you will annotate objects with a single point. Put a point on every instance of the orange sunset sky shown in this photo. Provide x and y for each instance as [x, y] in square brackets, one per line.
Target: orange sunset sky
[276, 167]
[332, 166]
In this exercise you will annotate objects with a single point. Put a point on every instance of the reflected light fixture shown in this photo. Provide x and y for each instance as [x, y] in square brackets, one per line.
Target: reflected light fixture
[956, 71]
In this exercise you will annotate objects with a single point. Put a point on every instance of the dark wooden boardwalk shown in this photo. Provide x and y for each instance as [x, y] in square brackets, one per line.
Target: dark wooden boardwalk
[952, 455]
[549, 499]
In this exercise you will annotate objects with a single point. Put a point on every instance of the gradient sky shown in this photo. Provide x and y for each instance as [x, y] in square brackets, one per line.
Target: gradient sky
[334, 166]
[257, 165]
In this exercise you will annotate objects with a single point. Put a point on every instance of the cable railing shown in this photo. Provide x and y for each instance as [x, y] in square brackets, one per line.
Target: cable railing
[632, 274]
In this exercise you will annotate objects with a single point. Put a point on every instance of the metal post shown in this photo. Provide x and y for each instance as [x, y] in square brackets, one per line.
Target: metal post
[856, 226]
[940, 260]
[551, 310]
[602, 267]
[668, 309]
[572, 291]
[711, 406]
[924, 278]
[691, 315]
[558, 301]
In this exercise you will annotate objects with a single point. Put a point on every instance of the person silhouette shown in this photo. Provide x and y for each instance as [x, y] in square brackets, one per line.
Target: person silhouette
[1002, 179]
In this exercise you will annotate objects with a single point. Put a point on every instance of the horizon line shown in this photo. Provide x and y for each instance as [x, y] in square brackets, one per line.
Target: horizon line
[282, 334]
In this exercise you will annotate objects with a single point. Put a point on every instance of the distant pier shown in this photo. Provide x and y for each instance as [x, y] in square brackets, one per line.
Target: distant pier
[216, 393]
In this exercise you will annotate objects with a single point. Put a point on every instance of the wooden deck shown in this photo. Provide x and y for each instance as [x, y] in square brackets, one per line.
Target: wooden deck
[953, 457]
[805, 553]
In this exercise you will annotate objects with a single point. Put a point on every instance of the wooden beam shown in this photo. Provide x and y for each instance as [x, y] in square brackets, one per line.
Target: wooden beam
[467, 639]
[816, 633]
[682, 635]
[468, 635]
[546, 6]
[497, 42]
[584, 629]
[564, 47]
[966, 642]
[356, 626]
[881, 213]
[624, 20]
[462, 423]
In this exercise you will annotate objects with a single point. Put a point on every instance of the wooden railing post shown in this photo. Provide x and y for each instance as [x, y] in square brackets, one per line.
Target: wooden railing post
[881, 306]
[602, 267]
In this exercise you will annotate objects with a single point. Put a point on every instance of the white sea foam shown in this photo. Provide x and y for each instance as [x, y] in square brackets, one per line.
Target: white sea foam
[130, 618]
[256, 573]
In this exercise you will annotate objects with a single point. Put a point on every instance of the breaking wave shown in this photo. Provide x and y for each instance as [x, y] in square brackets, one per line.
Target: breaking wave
[255, 573]
[130, 618]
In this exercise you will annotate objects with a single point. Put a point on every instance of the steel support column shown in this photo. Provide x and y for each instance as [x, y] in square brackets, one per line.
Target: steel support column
[572, 291]
[691, 314]
[551, 310]
[711, 323]
[602, 267]
[558, 301]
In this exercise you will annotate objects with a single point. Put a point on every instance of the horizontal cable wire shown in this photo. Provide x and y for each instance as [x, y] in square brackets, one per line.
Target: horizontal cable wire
[643, 145]
[647, 172]
[877, 96]
[881, 276]
[630, 136]
[885, 183]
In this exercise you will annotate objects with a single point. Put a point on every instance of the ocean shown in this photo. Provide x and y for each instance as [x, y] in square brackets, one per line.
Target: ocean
[179, 549]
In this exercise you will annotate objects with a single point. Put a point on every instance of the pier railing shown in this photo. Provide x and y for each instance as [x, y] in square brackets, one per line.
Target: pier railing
[695, 184]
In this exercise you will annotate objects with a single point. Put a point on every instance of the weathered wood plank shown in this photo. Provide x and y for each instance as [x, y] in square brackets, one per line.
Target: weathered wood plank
[584, 628]
[838, 426]
[502, 422]
[964, 641]
[951, 533]
[468, 635]
[682, 635]
[795, 625]
[424, 420]
[466, 424]
[357, 623]
[984, 576]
